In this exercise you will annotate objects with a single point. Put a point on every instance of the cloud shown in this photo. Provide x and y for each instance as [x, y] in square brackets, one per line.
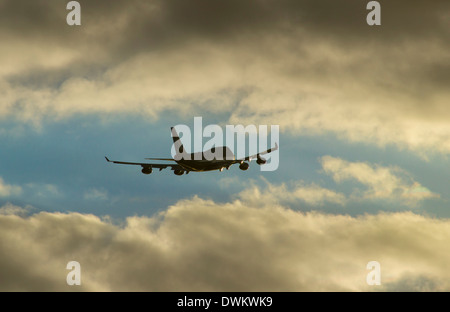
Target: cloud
[7, 190]
[303, 66]
[317, 195]
[9, 209]
[200, 245]
[96, 194]
[312, 194]
[381, 182]
[43, 190]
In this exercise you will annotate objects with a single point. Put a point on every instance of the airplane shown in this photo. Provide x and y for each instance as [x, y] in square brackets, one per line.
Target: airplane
[198, 162]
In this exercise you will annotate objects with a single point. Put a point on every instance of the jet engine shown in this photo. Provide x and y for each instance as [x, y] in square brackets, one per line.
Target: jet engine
[147, 170]
[244, 166]
[178, 172]
[260, 161]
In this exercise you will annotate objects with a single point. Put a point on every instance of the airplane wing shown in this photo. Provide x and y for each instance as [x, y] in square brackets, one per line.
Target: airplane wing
[147, 165]
[242, 162]
[249, 158]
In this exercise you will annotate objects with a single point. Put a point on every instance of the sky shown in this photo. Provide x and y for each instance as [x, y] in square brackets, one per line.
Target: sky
[364, 145]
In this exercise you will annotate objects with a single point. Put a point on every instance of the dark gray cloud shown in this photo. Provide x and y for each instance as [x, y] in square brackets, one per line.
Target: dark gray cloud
[415, 283]
[302, 63]
[137, 24]
[118, 30]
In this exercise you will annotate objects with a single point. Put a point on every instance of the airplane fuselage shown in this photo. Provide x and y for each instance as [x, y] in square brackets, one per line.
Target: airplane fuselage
[203, 165]
[213, 159]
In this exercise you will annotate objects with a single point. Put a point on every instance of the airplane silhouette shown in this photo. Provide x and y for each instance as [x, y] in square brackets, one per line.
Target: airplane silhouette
[216, 158]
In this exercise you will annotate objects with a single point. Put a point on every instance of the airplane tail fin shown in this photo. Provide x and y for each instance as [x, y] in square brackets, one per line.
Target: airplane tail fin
[179, 149]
